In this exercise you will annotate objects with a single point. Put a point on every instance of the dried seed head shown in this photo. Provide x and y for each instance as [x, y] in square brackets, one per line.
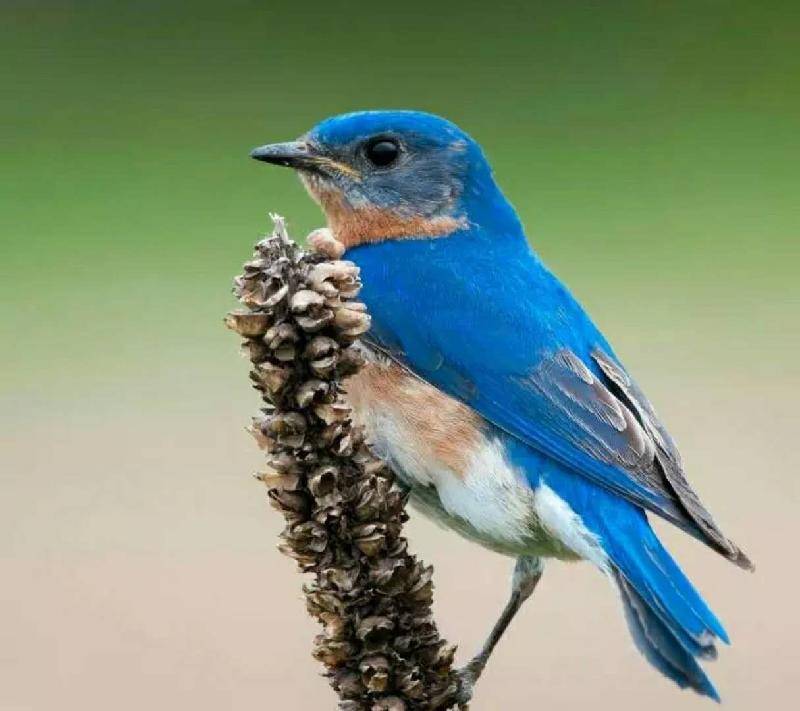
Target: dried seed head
[343, 513]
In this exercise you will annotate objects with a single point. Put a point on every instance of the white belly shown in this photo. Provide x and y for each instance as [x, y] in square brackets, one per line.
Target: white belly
[456, 469]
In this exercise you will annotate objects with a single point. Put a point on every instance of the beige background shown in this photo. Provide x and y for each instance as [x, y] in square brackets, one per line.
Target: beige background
[139, 568]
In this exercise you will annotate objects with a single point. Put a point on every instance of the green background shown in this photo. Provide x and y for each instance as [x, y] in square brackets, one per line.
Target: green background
[652, 150]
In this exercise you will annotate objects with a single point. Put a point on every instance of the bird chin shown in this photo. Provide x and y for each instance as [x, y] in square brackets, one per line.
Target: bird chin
[329, 196]
[321, 190]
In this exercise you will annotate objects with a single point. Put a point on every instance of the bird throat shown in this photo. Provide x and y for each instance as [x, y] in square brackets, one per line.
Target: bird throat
[354, 225]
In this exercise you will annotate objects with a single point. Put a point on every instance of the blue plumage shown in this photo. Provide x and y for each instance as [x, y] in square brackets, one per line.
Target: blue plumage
[519, 316]
[459, 299]
[670, 622]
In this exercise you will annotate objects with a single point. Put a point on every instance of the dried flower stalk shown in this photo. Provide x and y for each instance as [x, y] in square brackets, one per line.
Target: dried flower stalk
[344, 514]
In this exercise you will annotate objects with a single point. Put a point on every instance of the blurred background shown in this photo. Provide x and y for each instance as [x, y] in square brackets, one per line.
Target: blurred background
[652, 151]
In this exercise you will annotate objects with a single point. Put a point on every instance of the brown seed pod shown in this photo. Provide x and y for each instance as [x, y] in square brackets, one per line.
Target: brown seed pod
[247, 323]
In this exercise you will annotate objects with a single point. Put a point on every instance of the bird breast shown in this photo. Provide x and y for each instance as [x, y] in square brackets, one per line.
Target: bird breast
[454, 463]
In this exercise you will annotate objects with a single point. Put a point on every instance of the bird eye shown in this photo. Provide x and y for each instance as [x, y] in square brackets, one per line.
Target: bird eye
[382, 152]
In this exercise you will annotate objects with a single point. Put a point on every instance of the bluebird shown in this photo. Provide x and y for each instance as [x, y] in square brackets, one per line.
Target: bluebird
[490, 391]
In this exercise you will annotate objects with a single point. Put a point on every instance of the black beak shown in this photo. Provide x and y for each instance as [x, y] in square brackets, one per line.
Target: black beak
[293, 154]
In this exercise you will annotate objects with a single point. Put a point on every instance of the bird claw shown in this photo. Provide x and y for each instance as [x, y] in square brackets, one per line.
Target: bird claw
[467, 676]
[323, 242]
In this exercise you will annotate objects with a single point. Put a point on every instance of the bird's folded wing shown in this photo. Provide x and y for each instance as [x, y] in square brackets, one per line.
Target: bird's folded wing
[586, 413]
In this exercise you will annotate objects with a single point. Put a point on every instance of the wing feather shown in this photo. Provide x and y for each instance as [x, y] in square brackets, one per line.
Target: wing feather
[667, 457]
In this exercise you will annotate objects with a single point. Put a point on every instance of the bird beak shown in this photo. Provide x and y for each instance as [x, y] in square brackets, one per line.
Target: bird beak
[293, 154]
[303, 155]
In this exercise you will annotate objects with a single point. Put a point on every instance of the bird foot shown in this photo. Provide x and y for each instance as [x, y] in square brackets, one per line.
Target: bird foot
[467, 677]
[323, 242]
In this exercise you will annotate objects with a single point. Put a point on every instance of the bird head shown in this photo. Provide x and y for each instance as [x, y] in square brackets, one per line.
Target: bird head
[389, 174]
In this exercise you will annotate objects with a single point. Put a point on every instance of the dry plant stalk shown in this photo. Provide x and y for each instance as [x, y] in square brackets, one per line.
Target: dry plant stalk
[344, 514]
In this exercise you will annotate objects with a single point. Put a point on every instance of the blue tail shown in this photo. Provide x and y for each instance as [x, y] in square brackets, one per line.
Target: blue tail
[670, 623]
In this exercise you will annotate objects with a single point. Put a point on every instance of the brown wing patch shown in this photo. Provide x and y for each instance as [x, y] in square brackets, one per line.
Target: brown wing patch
[602, 424]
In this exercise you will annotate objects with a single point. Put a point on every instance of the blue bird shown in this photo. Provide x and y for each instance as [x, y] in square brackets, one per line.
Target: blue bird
[490, 391]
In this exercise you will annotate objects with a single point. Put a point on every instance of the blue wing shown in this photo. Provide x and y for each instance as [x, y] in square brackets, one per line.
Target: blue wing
[481, 318]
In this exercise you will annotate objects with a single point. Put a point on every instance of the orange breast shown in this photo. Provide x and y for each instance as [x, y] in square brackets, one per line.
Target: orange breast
[442, 429]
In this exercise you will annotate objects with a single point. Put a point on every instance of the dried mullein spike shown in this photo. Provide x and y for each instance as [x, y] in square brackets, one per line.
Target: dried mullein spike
[344, 515]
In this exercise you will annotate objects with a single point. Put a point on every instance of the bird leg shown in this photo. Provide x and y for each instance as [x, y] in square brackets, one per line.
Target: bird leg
[527, 573]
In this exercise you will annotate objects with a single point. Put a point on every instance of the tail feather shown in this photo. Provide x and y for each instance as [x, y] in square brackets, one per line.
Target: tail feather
[660, 646]
[670, 622]
[668, 570]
